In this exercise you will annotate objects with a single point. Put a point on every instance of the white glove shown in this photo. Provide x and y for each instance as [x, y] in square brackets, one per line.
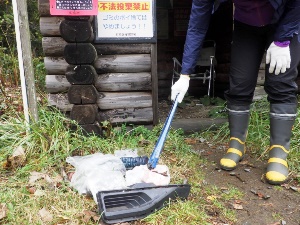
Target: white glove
[180, 87]
[279, 57]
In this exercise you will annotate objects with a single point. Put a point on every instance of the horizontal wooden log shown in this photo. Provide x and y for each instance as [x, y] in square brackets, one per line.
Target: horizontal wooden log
[105, 82]
[118, 49]
[106, 64]
[84, 114]
[60, 101]
[57, 84]
[82, 94]
[53, 46]
[76, 30]
[55, 65]
[82, 74]
[123, 63]
[128, 115]
[124, 82]
[116, 116]
[49, 26]
[117, 100]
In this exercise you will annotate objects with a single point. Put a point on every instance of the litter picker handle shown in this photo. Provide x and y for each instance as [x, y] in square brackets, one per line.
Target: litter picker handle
[162, 137]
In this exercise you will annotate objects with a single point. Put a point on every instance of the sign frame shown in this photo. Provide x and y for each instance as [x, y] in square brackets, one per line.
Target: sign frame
[127, 39]
[73, 12]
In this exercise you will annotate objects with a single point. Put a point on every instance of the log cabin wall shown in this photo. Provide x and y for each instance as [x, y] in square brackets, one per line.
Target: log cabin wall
[92, 82]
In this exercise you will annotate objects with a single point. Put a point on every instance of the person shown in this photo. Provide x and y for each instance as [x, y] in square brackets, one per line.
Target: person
[260, 26]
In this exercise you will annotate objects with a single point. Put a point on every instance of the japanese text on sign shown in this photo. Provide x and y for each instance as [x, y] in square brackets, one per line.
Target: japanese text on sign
[73, 7]
[125, 19]
[123, 6]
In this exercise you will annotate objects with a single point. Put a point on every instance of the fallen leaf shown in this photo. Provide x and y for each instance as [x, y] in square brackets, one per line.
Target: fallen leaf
[237, 206]
[212, 197]
[45, 215]
[17, 159]
[238, 202]
[62, 219]
[35, 176]
[19, 151]
[39, 193]
[295, 189]
[144, 143]
[88, 215]
[244, 162]
[30, 189]
[260, 195]
[3, 210]
[190, 141]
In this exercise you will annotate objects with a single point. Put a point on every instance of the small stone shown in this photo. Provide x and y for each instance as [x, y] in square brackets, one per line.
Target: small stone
[202, 140]
[283, 222]
[266, 196]
[247, 170]
[295, 189]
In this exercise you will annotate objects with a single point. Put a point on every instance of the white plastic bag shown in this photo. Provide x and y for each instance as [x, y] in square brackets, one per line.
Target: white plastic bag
[97, 172]
[105, 172]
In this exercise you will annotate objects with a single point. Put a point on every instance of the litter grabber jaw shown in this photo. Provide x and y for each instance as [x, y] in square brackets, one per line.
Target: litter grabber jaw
[131, 204]
[162, 137]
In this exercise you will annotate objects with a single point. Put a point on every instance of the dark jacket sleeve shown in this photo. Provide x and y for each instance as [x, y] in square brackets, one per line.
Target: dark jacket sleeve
[198, 26]
[289, 23]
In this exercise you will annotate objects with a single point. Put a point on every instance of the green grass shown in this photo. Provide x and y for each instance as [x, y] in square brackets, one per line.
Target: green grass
[53, 138]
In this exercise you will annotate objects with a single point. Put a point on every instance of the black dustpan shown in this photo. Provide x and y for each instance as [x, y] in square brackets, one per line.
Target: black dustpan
[132, 204]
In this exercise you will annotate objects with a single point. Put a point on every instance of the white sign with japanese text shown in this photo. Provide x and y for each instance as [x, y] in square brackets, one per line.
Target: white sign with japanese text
[125, 20]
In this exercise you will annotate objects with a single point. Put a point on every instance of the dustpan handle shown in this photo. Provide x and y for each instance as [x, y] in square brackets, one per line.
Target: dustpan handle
[162, 137]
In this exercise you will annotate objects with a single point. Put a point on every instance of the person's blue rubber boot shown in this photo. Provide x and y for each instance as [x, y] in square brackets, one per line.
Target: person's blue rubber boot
[238, 118]
[282, 118]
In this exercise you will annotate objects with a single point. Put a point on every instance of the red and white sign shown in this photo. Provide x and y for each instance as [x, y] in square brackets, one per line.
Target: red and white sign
[121, 20]
[73, 7]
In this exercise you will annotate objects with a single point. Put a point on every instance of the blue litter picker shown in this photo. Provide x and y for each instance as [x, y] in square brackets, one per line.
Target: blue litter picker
[153, 160]
[119, 206]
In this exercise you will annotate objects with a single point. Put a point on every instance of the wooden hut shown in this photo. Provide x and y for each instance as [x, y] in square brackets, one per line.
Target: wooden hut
[121, 82]
[95, 82]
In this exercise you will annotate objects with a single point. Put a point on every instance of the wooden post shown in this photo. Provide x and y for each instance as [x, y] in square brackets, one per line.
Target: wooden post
[25, 61]
[154, 83]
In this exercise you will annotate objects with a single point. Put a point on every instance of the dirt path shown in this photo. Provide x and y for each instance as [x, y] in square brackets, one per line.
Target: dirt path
[263, 204]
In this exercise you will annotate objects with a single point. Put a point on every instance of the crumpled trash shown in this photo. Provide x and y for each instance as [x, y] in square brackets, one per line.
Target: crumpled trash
[97, 172]
[105, 172]
[141, 174]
